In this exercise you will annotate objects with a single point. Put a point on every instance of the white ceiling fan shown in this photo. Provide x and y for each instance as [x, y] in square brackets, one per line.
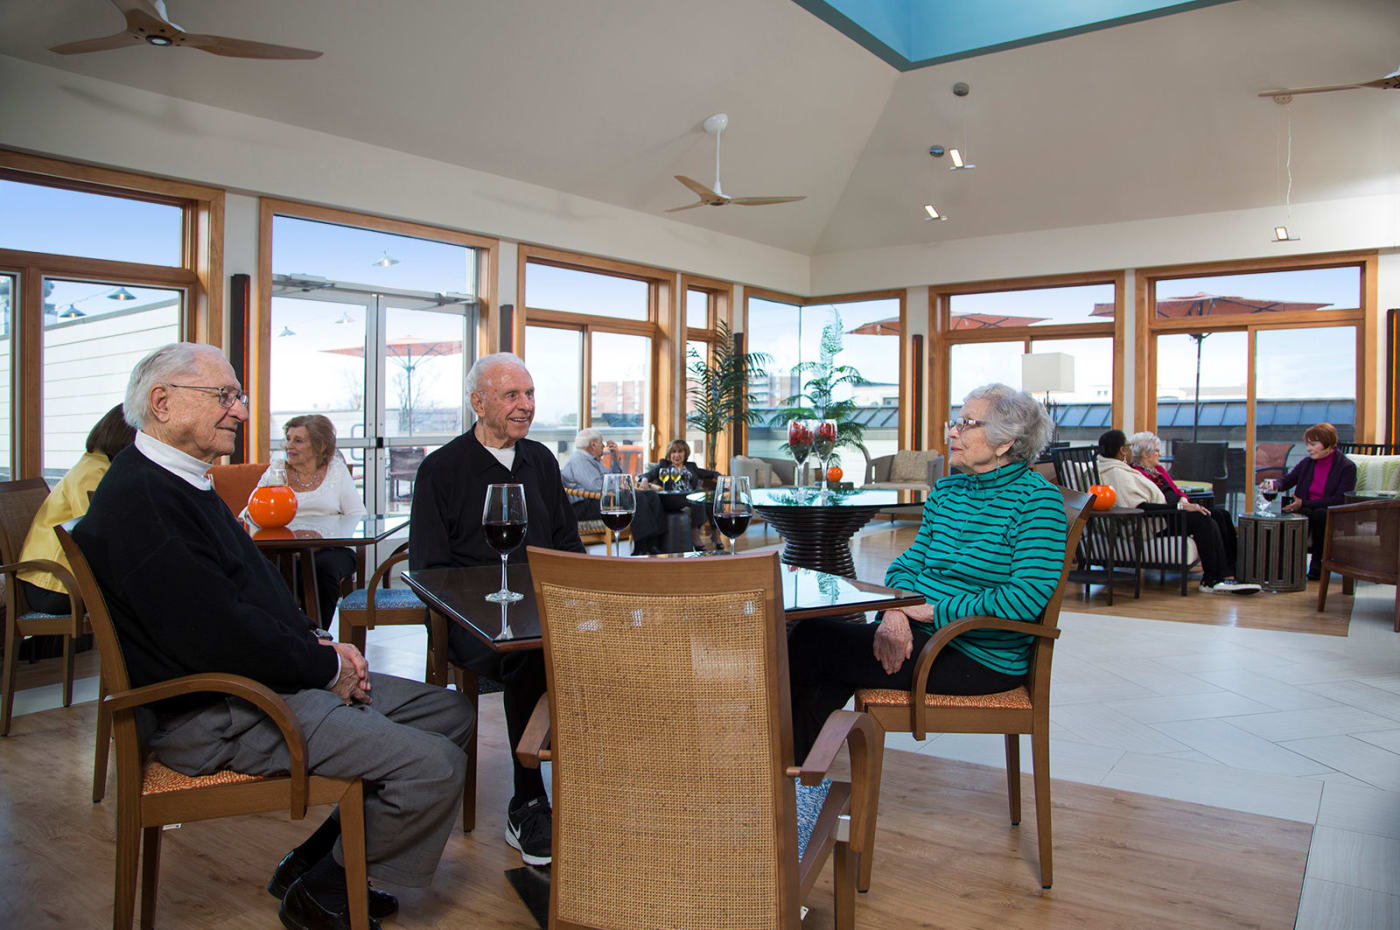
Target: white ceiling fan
[715, 196]
[1390, 82]
[147, 21]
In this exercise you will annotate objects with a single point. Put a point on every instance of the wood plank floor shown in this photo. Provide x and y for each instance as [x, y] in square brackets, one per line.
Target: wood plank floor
[947, 856]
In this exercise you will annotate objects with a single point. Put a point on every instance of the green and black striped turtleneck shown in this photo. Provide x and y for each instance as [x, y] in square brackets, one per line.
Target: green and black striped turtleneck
[989, 545]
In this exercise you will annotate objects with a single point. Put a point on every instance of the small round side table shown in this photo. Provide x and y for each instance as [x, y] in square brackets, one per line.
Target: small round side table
[1273, 551]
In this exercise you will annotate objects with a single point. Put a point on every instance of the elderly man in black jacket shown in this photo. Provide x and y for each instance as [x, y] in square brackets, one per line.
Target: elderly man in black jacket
[189, 592]
[445, 530]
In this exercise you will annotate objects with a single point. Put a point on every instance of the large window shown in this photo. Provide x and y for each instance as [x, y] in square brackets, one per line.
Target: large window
[600, 350]
[705, 308]
[842, 352]
[96, 269]
[1243, 354]
[372, 328]
[983, 332]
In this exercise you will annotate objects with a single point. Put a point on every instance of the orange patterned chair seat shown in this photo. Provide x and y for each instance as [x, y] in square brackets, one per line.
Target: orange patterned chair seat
[160, 779]
[1015, 699]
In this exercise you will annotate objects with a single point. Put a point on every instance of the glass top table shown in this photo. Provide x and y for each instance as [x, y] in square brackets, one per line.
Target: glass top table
[459, 594]
[299, 540]
[817, 526]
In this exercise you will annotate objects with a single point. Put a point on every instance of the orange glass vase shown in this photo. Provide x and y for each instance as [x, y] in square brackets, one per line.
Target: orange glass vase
[272, 506]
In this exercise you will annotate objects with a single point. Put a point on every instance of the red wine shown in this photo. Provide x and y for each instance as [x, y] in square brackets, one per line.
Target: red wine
[1270, 495]
[732, 525]
[504, 536]
[617, 519]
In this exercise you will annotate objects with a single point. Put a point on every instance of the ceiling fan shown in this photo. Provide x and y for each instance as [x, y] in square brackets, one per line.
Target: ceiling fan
[147, 21]
[1390, 82]
[715, 196]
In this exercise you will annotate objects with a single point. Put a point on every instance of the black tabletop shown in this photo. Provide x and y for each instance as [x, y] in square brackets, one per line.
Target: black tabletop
[460, 595]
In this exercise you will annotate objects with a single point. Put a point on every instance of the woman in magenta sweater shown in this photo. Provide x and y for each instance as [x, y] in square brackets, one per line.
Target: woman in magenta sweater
[1321, 480]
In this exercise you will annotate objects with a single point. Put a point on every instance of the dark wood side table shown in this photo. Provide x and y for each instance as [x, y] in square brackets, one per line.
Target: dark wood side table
[1272, 552]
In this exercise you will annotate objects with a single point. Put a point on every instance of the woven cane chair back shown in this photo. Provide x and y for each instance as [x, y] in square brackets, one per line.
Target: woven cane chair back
[671, 729]
[19, 503]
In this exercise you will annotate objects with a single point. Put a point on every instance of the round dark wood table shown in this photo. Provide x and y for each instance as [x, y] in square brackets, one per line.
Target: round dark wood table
[817, 528]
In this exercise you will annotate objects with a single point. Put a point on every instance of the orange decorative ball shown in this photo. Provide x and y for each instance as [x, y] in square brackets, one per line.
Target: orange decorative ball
[834, 473]
[272, 507]
[1104, 496]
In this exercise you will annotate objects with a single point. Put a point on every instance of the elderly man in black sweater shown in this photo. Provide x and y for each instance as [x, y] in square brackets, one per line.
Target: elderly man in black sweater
[445, 530]
[189, 592]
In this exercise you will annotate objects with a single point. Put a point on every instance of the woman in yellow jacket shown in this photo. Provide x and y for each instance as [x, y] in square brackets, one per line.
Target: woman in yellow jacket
[67, 500]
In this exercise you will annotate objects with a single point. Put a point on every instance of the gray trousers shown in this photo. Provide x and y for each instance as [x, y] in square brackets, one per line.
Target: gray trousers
[407, 745]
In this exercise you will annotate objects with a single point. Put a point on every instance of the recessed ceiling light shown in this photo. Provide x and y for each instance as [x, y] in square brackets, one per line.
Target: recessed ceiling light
[958, 162]
[1281, 235]
[933, 213]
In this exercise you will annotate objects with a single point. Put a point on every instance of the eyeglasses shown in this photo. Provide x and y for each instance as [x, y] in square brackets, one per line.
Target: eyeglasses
[963, 424]
[227, 396]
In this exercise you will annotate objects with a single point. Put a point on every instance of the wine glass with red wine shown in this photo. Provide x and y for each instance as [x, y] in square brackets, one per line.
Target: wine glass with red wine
[618, 501]
[733, 506]
[503, 519]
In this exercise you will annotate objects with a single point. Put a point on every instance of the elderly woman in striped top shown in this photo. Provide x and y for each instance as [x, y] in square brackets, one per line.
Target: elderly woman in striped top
[992, 542]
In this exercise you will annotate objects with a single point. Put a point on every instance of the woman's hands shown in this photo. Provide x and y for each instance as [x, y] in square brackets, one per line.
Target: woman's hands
[1195, 508]
[894, 642]
[1295, 506]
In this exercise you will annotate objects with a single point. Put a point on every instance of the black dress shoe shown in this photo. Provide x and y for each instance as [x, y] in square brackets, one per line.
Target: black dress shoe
[294, 865]
[300, 911]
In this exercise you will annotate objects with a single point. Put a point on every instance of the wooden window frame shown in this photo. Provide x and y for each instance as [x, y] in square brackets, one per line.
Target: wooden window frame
[660, 326]
[906, 427]
[719, 309]
[200, 276]
[1365, 318]
[260, 326]
[942, 337]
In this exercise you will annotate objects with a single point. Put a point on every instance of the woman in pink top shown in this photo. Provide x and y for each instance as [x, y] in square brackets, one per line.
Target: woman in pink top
[1321, 480]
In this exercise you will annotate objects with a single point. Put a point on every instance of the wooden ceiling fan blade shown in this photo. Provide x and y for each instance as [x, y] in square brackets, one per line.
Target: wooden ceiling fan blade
[764, 201]
[689, 206]
[1328, 88]
[243, 48]
[120, 40]
[706, 194]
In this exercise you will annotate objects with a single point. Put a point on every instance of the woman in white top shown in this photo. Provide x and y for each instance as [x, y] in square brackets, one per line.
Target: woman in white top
[317, 475]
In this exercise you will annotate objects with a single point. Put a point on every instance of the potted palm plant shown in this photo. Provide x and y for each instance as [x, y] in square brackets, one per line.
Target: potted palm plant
[721, 388]
[820, 379]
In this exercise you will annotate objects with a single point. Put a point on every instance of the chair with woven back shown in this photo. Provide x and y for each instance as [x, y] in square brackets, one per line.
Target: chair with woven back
[1026, 709]
[669, 727]
[149, 795]
[591, 532]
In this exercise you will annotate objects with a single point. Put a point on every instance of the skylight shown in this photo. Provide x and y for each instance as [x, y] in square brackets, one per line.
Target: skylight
[913, 34]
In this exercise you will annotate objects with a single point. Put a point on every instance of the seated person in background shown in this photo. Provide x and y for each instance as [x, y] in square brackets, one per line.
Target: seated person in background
[584, 471]
[319, 478]
[678, 457]
[1213, 534]
[1321, 480]
[445, 532]
[67, 500]
[189, 592]
[991, 543]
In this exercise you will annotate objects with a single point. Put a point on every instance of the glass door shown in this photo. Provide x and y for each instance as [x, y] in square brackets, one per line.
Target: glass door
[386, 367]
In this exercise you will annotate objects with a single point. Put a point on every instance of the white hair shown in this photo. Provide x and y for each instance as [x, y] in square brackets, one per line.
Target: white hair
[163, 366]
[1014, 417]
[482, 367]
[585, 437]
[1143, 444]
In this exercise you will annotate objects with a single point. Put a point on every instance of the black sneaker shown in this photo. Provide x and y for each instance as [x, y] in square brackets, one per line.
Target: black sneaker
[528, 830]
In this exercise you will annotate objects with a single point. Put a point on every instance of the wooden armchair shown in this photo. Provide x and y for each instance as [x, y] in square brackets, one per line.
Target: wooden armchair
[149, 795]
[235, 483]
[596, 531]
[675, 803]
[1025, 709]
[1363, 541]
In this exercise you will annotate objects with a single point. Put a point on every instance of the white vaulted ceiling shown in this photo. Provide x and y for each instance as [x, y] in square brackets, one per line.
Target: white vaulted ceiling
[604, 99]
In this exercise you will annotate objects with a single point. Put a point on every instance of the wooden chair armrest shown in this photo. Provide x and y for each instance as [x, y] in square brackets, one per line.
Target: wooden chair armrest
[858, 731]
[534, 742]
[61, 572]
[924, 664]
[399, 555]
[1363, 506]
[255, 693]
[586, 495]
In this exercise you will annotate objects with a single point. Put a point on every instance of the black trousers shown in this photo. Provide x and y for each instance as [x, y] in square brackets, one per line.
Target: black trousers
[1215, 539]
[50, 602]
[829, 659]
[1317, 532]
[522, 678]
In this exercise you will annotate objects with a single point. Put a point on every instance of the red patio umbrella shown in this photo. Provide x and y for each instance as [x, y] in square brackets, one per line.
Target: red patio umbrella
[890, 327]
[409, 352]
[1201, 304]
